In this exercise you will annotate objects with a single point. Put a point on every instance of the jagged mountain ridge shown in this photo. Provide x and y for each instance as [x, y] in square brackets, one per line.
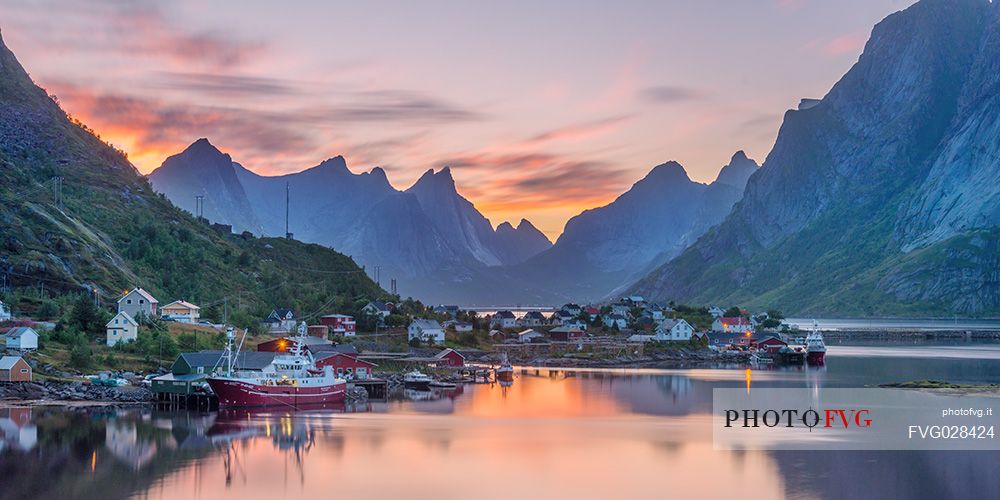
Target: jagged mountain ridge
[428, 237]
[881, 198]
[606, 248]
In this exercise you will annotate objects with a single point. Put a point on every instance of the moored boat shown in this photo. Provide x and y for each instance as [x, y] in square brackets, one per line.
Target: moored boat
[505, 372]
[815, 347]
[292, 379]
[417, 380]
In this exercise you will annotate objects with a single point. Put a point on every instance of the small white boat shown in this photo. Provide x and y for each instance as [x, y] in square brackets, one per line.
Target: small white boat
[417, 380]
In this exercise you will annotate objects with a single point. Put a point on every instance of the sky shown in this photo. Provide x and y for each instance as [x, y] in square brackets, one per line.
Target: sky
[541, 108]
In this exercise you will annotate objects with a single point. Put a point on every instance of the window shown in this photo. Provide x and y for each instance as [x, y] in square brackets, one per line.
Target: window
[142, 301]
[129, 301]
[24, 370]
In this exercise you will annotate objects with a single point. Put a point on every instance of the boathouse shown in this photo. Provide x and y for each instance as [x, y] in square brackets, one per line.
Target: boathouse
[566, 333]
[449, 357]
[771, 344]
[14, 369]
[345, 365]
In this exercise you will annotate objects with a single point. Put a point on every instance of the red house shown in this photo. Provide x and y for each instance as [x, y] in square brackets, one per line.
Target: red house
[771, 344]
[340, 324]
[449, 357]
[345, 365]
[565, 333]
[319, 331]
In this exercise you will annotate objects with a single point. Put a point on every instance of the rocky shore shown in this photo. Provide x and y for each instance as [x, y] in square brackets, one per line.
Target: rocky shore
[72, 392]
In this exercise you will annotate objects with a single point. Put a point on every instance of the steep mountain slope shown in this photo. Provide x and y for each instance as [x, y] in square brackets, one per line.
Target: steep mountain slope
[516, 245]
[607, 247]
[881, 198]
[429, 238]
[108, 230]
[202, 170]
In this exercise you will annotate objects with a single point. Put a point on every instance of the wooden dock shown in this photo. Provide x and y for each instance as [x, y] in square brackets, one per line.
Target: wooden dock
[197, 401]
[377, 388]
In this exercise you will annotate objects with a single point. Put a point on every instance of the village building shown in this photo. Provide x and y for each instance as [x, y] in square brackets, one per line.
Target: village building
[771, 344]
[592, 312]
[318, 331]
[346, 365]
[716, 312]
[503, 319]
[21, 338]
[572, 309]
[182, 311]
[14, 369]
[532, 318]
[458, 326]
[561, 317]
[674, 330]
[427, 330]
[121, 328]
[615, 320]
[528, 336]
[497, 336]
[725, 339]
[566, 333]
[139, 304]
[732, 324]
[378, 308]
[621, 309]
[634, 301]
[340, 325]
[449, 357]
[655, 311]
[645, 323]
[576, 323]
[319, 349]
[449, 310]
[5, 314]
[280, 321]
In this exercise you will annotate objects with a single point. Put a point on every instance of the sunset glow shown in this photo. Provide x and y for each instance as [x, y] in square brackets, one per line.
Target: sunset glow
[563, 118]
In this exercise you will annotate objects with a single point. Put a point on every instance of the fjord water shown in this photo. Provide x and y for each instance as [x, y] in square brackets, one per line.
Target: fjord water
[552, 434]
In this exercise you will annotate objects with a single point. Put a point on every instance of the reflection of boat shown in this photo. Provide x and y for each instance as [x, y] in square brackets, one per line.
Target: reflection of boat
[505, 372]
[791, 355]
[417, 380]
[815, 347]
[294, 380]
[418, 395]
[442, 385]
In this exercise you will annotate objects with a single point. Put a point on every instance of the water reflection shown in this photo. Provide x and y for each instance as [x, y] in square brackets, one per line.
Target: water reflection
[552, 433]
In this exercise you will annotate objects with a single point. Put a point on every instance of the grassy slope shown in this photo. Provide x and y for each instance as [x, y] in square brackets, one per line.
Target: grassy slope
[115, 232]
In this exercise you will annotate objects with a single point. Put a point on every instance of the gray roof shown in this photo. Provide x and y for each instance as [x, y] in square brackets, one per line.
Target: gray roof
[7, 362]
[426, 324]
[249, 360]
[18, 331]
[534, 315]
[670, 323]
[504, 314]
[341, 348]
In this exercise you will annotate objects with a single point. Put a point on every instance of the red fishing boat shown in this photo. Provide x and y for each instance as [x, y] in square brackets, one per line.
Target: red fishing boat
[292, 379]
[815, 347]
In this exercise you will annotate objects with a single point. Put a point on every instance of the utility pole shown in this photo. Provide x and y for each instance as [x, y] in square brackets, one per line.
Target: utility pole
[225, 311]
[288, 235]
[199, 205]
[378, 272]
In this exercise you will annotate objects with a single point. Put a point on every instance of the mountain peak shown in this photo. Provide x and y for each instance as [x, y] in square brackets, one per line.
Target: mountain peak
[505, 227]
[737, 171]
[336, 164]
[435, 180]
[202, 147]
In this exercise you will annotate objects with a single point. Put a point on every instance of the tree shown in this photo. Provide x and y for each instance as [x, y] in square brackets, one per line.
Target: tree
[47, 310]
[733, 312]
[81, 357]
[775, 314]
[85, 315]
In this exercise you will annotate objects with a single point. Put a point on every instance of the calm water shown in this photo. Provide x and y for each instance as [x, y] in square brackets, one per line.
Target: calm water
[552, 434]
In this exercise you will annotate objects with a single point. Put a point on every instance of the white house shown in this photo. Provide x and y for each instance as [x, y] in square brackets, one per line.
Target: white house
[734, 324]
[459, 326]
[427, 330]
[280, 321]
[573, 309]
[22, 338]
[674, 329]
[622, 309]
[122, 328]
[716, 311]
[503, 319]
[561, 318]
[576, 323]
[182, 311]
[378, 308]
[613, 320]
[528, 336]
[138, 303]
[4, 312]
[532, 318]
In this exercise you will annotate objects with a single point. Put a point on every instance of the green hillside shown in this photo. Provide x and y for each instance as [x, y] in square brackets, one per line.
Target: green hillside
[109, 231]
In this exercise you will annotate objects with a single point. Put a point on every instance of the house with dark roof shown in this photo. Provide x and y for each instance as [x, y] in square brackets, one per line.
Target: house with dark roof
[378, 308]
[503, 319]
[280, 321]
[532, 318]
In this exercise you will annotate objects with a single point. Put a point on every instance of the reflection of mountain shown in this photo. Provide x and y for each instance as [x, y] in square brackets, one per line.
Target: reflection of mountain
[888, 474]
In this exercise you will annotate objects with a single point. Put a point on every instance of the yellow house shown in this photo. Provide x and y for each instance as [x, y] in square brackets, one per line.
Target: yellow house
[182, 311]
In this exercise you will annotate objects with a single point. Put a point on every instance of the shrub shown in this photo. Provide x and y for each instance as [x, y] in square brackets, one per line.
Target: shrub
[81, 357]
